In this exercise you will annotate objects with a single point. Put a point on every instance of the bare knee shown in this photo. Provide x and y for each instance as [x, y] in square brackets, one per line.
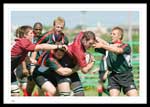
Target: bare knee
[114, 92]
[132, 92]
[49, 88]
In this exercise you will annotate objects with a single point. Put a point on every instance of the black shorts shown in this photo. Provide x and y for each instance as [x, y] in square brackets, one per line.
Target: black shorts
[53, 77]
[60, 79]
[121, 81]
[75, 77]
[14, 63]
[41, 78]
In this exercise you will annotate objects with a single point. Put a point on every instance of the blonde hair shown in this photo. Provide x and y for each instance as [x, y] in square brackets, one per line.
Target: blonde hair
[59, 20]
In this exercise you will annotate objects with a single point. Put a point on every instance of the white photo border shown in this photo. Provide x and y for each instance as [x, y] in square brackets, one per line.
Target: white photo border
[142, 98]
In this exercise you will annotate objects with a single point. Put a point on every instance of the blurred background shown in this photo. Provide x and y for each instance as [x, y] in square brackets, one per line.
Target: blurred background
[100, 22]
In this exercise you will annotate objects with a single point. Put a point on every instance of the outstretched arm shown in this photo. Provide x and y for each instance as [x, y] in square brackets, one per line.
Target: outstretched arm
[111, 48]
[49, 47]
[87, 68]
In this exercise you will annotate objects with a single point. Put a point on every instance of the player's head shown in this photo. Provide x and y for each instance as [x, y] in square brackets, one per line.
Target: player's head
[17, 32]
[88, 39]
[26, 32]
[117, 34]
[59, 53]
[59, 24]
[37, 28]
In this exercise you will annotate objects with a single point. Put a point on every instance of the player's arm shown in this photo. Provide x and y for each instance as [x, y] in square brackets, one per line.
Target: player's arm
[33, 61]
[24, 68]
[87, 67]
[102, 41]
[114, 49]
[105, 75]
[64, 71]
[90, 64]
[111, 48]
[48, 47]
[33, 57]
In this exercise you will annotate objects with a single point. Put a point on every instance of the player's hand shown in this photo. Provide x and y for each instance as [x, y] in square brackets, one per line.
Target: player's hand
[105, 75]
[76, 68]
[98, 45]
[92, 59]
[33, 61]
[65, 46]
[25, 72]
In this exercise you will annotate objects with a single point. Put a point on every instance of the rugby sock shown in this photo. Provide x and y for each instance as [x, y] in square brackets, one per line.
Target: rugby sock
[100, 91]
[78, 90]
[47, 94]
[64, 93]
[15, 90]
[36, 93]
[25, 93]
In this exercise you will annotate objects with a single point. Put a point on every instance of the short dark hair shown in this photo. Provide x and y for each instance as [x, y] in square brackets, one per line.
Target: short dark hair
[37, 23]
[22, 30]
[120, 29]
[89, 35]
[17, 32]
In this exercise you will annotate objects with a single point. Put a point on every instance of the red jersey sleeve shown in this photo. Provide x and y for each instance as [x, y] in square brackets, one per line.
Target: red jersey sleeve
[27, 45]
[80, 57]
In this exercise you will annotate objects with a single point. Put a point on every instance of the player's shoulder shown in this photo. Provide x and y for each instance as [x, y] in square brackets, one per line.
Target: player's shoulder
[47, 33]
[125, 45]
[24, 40]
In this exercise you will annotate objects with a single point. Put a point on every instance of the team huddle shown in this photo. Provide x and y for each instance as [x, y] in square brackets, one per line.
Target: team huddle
[52, 62]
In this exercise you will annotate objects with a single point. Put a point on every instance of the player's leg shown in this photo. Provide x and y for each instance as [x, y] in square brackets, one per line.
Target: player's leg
[132, 92]
[48, 88]
[22, 79]
[64, 89]
[129, 85]
[77, 88]
[40, 92]
[63, 85]
[100, 88]
[15, 90]
[114, 92]
[30, 85]
[23, 85]
[76, 85]
[113, 86]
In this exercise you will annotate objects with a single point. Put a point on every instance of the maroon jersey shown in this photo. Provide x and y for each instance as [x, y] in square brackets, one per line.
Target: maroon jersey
[21, 48]
[77, 50]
